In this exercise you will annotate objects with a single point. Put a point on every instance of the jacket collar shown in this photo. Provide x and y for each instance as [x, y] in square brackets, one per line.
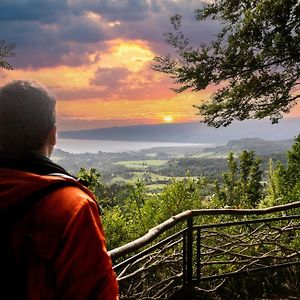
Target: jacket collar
[34, 163]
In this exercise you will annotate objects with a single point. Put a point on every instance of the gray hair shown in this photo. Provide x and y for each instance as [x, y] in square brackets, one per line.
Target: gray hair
[27, 114]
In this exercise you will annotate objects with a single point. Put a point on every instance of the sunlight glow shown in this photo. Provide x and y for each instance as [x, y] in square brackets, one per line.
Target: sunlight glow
[131, 54]
[168, 119]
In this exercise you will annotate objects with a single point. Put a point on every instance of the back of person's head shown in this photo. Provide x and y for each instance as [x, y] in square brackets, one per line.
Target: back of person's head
[27, 115]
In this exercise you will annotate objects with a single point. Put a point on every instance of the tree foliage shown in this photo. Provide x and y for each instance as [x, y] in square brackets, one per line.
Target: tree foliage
[129, 215]
[129, 210]
[284, 179]
[255, 60]
[106, 195]
[141, 211]
[242, 184]
[6, 51]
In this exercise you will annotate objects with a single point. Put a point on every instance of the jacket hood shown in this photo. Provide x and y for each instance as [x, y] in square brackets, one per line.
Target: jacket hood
[16, 185]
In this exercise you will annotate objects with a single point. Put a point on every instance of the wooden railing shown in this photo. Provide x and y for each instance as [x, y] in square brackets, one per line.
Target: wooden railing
[190, 254]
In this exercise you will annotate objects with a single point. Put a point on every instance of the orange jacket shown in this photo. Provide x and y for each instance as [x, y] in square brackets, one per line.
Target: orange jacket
[59, 243]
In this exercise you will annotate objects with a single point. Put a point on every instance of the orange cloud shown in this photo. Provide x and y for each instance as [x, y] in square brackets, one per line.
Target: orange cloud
[117, 84]
[180, 107]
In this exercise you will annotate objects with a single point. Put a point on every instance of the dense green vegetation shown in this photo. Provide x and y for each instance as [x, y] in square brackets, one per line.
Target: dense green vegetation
[129, 210]
[139, 190]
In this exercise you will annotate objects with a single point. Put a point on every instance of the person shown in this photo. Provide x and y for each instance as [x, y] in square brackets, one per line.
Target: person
[52, 241]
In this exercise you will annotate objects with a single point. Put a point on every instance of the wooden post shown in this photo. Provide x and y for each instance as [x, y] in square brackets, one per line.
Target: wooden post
[189, 257]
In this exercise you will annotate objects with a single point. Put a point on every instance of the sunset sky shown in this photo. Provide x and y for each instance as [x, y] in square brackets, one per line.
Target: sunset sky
[96, 56]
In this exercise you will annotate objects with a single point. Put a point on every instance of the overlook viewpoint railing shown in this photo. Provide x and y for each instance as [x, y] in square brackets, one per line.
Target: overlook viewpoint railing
[214, 254]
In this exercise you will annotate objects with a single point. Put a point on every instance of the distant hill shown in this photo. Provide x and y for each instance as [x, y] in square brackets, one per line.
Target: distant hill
[261, 147]
[192, 132]
[171, 161]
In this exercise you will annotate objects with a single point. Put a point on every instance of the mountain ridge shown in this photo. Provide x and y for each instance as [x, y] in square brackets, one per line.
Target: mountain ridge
[191, 132]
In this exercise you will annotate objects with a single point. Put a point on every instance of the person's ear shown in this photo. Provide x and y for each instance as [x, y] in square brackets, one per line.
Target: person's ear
[52, 136]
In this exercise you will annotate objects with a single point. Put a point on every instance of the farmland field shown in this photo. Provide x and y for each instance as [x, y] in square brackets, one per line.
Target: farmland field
[141, 164]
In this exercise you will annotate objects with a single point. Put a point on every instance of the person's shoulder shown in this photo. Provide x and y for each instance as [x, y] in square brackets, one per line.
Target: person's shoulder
[68, 200]
[55, 213]
[64, 199]
[63, 204]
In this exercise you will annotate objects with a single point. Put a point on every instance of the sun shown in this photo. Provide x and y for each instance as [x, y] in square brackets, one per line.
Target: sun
[168, 119]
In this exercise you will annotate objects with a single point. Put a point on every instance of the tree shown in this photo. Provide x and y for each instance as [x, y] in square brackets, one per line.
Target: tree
[285, 178]
[106, 195]
[255, 60]
[242, 184]
[6, 50]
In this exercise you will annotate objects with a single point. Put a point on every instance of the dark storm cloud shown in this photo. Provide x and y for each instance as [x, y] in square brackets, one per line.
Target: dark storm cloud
[54, 32]
[46, 11]
[50, 11]
[81, 29]
[153, 27]
[120, 10]
[38, 46]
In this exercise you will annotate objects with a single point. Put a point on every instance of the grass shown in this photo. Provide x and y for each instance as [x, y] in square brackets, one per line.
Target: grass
[209, 155]
[155, 177]
[141, 164]
[154, 185]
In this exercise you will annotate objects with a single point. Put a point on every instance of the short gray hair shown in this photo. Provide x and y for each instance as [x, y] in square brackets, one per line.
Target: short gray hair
[27, 114]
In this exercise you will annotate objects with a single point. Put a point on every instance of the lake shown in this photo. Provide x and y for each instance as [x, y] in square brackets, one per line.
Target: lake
[94, 146]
